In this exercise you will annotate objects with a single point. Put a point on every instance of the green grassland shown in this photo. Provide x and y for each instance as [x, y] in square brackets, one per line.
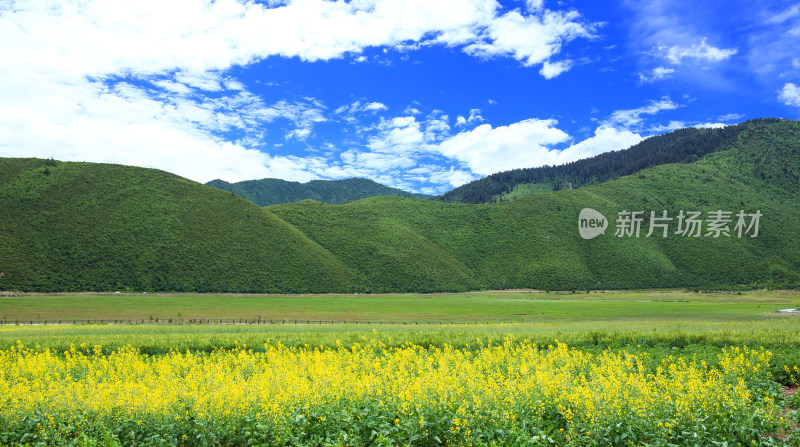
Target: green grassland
[524, 189]
[662, 319]
[83, 226]
[516, 306]
[657, 322]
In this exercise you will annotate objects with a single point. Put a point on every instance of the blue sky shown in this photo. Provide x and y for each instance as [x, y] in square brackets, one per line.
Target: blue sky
[422, 95]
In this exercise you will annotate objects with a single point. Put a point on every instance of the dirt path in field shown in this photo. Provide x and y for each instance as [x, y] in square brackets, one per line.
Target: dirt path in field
[788, 392]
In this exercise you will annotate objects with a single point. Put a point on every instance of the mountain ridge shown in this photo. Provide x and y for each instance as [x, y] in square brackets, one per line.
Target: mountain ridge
[271, 191]
[84, 226]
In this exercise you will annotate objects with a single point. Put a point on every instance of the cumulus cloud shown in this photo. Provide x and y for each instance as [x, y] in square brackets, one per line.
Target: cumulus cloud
[605, 139]
[486, 150]
[375, 106]
[401, 134]
[550, 70]
[529, 143]
[531, 39]
[411, 111]
[790, 94]
[474, 117]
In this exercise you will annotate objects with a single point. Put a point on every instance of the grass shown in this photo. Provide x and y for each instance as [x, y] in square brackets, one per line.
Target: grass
[556, 307]
[524, 189]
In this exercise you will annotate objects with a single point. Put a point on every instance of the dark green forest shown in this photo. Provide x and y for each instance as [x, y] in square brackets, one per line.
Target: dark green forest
[680, 146]
[86, 226]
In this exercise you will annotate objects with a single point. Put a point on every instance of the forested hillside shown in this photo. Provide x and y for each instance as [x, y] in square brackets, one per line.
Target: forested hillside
[271, 191]
[87, 226]
[82, 226]
[680, 146]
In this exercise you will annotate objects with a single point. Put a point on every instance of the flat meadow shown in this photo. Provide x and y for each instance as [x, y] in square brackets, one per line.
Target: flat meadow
[495, 368]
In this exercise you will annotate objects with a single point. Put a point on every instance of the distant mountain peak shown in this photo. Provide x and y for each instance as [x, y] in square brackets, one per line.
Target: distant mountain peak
[271, 191]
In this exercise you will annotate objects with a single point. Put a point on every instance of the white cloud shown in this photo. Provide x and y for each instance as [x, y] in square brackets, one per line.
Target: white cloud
[690, 40]
[731, 117]
[674, 125]
[172, 86]
[709, 125]
[399, 135]
[126, 125]
[486, 150]
[208, 81]
[437, 127]
[534, 5]
[633, 118]
[458, 178]
[790, 94]
[788, 13]
[443, 176]
[669, 127]
[377, 161]
[375, 107]
[772, 49]
[605, 139]
[534, 142]
[474, 117]
[61, 95]
[162, 125]
[656, 74]
[148, 36]
[531, 39]
[552, 69]
[676, 53]
[300, 134]
[358, 106]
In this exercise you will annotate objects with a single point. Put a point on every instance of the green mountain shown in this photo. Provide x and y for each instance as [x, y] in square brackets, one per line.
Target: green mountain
[680, 146]
[272, 191]
[81, 226]
[86, 226]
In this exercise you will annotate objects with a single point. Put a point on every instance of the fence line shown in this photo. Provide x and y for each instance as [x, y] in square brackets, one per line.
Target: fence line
[234, 321]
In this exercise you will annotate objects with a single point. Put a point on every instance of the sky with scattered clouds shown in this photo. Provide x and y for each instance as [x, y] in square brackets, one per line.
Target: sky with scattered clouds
[416, 94]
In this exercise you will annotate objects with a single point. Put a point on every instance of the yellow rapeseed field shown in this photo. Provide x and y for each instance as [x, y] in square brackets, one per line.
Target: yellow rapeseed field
[515, 393]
